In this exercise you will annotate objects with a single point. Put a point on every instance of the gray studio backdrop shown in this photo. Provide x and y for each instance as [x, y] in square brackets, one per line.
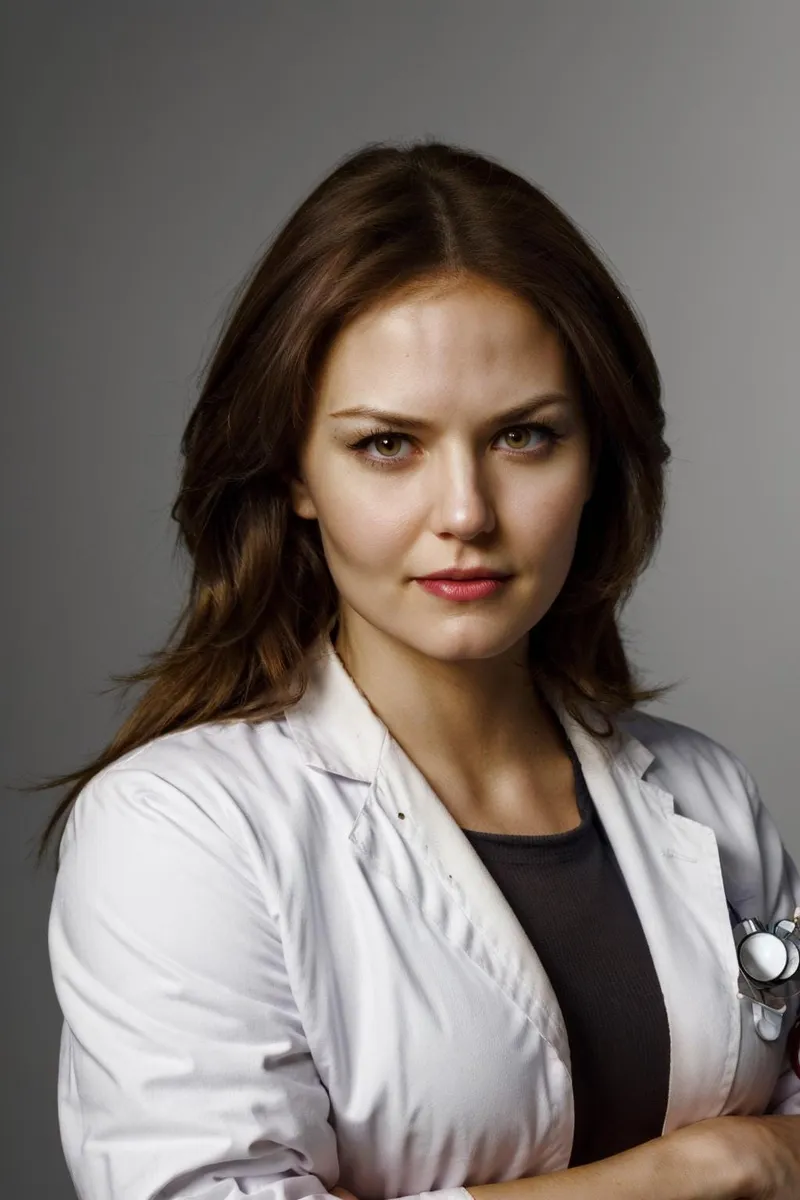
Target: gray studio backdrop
[149, 152]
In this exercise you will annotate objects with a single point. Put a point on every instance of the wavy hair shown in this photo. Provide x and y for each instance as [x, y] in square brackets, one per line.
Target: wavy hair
[389, 217]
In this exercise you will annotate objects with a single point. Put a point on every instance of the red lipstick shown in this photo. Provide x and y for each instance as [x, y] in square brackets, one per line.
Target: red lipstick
[464, 583]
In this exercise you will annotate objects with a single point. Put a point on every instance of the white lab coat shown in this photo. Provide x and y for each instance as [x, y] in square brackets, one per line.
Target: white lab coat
[283, 967]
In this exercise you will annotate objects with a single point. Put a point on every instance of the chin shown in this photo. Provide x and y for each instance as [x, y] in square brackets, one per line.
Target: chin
[464, 645]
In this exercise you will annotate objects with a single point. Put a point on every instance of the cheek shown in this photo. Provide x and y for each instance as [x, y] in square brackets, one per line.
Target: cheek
[366, 531]
[545, 516]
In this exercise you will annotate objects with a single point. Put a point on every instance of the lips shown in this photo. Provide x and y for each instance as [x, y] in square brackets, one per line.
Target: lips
[462, 590]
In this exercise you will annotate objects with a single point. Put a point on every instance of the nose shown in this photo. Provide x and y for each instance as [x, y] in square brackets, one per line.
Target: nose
[463, 506]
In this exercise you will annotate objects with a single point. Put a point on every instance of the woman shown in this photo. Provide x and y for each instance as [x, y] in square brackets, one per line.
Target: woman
[386, 884]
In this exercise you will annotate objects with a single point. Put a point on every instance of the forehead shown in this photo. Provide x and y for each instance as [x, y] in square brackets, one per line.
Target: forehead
[474, 342]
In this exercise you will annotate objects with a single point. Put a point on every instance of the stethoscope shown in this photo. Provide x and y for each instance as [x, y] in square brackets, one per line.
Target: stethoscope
[769, 958]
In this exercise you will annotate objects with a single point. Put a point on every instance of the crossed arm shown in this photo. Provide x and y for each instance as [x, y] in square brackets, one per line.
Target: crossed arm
[723, 1158]
[170, 973]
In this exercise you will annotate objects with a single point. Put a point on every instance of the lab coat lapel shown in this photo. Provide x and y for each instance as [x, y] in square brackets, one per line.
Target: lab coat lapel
[671, 866]
[405, 831]
[464, 900]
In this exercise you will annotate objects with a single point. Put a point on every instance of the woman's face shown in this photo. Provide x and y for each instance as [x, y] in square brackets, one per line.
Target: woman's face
[445, 478]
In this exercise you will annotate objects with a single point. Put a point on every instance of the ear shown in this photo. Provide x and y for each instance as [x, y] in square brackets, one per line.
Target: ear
[300, 498]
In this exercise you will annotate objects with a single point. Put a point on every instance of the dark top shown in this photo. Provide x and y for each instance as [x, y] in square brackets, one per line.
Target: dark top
[569, 895]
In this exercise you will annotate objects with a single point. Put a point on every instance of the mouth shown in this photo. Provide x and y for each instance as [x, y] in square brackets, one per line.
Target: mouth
[462, 588]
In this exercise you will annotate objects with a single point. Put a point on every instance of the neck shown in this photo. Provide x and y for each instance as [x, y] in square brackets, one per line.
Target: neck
[481, 715]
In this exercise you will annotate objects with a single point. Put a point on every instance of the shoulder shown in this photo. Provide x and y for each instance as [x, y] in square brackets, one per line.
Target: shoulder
[225, 784]
[674, 744]
[172, 872]
[710, 784]
[704, 775]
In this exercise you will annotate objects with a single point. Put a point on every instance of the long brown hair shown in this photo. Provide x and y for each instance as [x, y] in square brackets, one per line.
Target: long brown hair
[389, 216]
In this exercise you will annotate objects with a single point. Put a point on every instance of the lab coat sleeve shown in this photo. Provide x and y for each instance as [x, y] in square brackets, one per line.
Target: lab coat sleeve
[184, 1069]
[781, 882]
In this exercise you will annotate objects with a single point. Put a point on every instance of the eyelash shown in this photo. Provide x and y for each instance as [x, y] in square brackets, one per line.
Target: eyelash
[363, 441]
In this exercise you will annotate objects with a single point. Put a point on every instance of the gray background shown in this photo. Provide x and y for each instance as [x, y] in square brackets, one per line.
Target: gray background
[149, 152]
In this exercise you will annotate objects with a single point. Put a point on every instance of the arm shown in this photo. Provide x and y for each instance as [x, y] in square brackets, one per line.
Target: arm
[184, 1066]
[678, 1166]
[697, 1162]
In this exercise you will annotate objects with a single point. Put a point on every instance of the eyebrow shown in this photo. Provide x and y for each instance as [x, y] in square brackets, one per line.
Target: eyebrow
[518, 413]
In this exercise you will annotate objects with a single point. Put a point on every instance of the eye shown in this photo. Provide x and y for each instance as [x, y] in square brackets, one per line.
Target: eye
[387, 443]
[526, 431]
[384, 441]
[522, 433]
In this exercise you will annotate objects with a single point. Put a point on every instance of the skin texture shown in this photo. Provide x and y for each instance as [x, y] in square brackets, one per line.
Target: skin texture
[471, 489]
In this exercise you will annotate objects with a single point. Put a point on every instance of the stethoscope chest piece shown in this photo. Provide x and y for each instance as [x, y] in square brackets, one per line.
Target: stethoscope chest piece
[768, 957]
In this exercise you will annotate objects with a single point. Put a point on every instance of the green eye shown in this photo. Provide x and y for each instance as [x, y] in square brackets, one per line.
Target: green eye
[547, 433]
[516, 432]
[383, 438]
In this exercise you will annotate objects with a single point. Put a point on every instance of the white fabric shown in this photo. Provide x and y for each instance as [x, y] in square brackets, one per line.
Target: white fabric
[283, 967]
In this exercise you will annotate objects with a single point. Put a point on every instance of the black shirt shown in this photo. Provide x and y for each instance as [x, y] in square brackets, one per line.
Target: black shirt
[569, 895]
